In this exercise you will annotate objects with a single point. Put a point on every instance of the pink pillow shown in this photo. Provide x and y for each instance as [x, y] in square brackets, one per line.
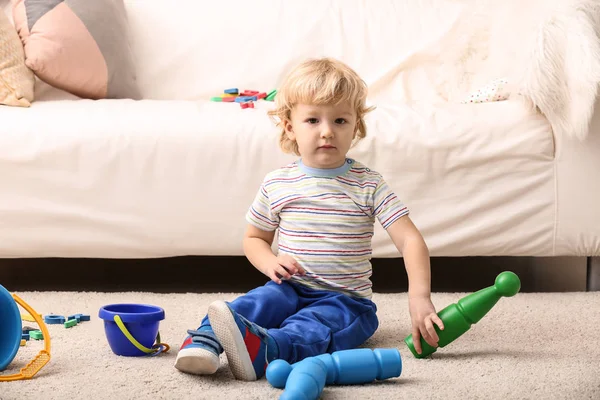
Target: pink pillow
[79, 46]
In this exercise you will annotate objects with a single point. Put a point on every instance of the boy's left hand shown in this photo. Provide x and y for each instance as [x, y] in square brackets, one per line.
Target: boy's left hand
[423, 316]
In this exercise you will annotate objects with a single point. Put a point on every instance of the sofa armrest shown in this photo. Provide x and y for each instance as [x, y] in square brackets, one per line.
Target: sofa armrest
[578, 193]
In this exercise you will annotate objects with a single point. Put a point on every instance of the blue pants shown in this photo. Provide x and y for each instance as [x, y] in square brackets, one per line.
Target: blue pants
[306, 322]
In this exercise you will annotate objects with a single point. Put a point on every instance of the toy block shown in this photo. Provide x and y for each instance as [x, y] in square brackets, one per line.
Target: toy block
[23, 342]
[52, 319]
[261, 95]
[243, 99]
[74, 316]
[36, 335]
[230, 99]
[29, 318]
[231, 91]
[248, 104]
[271, 95]
[79, 317]
[228, 95]
[71, 323]
[216, 98]
[25, 336]
[249, 93]
[27, 329]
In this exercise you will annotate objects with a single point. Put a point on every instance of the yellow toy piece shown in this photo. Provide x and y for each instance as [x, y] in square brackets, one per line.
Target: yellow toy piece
[29, 318]
[35, 365]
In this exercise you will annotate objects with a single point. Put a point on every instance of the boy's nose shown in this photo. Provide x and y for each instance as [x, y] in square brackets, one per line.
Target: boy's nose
[326, 133]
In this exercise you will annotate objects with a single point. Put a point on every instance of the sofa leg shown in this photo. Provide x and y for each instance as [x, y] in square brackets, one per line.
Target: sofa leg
[592, 283]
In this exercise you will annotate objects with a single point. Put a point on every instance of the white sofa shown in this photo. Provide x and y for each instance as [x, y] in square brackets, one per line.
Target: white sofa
[174, 174]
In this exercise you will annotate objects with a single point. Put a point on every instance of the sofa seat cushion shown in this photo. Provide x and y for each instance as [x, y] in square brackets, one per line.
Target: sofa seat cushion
[123, 178]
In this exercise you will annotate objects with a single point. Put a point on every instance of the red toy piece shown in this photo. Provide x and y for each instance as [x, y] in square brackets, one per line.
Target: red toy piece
[249, 93]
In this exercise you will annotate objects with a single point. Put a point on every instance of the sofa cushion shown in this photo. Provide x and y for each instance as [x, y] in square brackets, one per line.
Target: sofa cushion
[150, 178]
[79, 46]
[16, 80]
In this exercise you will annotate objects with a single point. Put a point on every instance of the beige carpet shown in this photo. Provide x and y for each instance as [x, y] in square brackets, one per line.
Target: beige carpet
[531, 346]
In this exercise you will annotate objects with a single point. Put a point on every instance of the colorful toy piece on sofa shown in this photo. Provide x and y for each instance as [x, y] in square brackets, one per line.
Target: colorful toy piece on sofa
[246, 98]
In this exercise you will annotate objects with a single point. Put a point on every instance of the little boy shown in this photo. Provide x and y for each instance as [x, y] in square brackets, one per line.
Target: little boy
[324, 206]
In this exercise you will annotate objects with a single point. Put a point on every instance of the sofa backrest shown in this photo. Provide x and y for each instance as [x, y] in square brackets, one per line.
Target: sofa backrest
[190, 49]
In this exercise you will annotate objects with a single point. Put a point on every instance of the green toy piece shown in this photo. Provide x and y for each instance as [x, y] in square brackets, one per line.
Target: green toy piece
[271, 95]
[70, 323]
[458, 317]
[36, 335]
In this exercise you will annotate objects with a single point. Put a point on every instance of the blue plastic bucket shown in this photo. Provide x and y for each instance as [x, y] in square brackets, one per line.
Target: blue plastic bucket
[10, 328]
[140, 320]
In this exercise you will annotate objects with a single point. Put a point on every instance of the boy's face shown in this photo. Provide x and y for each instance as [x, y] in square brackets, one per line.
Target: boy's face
[324, 133]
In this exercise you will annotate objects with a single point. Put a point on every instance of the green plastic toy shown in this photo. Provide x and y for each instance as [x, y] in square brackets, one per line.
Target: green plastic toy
[458, 317]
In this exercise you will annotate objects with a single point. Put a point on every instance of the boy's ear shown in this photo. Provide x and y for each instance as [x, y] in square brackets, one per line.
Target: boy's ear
[289, 130]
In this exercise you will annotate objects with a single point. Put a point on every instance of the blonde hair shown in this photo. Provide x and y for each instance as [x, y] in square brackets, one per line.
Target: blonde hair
[323, 81]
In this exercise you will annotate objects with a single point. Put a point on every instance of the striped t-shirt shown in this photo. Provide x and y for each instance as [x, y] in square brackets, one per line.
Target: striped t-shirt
[325, 219]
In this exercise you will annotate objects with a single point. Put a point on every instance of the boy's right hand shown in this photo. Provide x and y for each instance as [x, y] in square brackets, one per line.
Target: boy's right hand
[283, 266]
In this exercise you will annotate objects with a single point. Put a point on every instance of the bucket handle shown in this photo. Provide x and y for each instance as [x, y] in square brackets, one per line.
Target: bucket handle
[156, 348]
[35, 365]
